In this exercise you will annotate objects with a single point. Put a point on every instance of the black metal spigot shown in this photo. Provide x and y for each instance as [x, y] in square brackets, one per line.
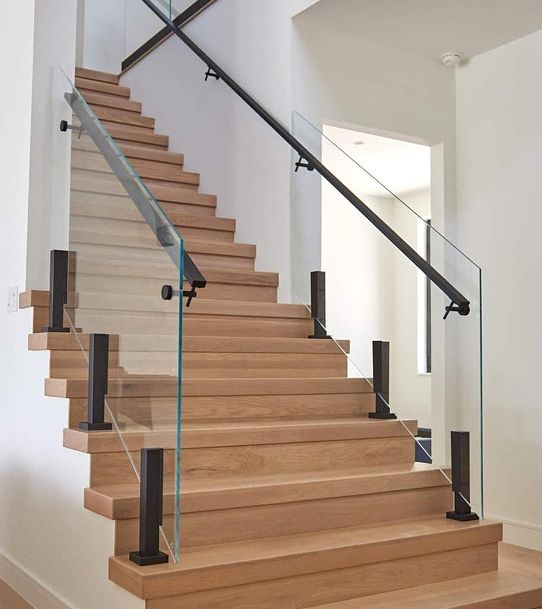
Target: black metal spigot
[463, 309]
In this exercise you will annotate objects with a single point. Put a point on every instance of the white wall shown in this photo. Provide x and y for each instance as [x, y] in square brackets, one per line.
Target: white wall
[52, 551]
[499, 96]
[239, 157]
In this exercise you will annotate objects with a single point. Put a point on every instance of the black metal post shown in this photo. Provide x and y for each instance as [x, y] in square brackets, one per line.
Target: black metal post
[461, 477]
[318, 304]
[381, 380]
[58, 290]
[98, 365]
[150, 501]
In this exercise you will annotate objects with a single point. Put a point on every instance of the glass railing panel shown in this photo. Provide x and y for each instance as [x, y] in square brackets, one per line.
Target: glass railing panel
[123, 250]
[375, 293]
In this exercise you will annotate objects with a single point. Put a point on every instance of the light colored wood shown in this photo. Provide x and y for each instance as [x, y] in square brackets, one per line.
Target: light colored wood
[85, 84]
[108, 184]
[218, 526]
[133, 134]
[95, 162]
[210, 435]
[149, 413]
[112, 101]
[495, 590]
[123, 117]
[97, 75]
[9, 599]
[334, 585]
[262, 459]
[167, 386]
[310, 553]
[120, 502]
[520, 560]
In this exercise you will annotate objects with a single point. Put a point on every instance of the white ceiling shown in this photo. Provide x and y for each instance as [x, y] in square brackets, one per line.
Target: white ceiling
[431, 27]
[402, 167]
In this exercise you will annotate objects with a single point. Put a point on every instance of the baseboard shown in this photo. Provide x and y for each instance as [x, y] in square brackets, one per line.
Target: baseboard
[518, 533]
[30, 589]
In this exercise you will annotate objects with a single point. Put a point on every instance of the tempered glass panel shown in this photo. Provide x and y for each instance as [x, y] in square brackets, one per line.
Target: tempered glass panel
[123, 249]
[375, 293]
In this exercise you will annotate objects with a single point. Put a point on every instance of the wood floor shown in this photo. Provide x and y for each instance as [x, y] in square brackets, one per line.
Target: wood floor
[292, 497]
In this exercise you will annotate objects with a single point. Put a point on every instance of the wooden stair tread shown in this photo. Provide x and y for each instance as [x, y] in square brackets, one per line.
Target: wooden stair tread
[167, 386]
[97, 75]
[95, 86]
[112, 101]
[218, 344]
[90, 300]
[474, 592]
[238, 433]
[272, 558]
[201, 494]
[137, 151]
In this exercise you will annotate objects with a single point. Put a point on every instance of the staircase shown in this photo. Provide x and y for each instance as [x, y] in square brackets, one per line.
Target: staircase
[292, 497]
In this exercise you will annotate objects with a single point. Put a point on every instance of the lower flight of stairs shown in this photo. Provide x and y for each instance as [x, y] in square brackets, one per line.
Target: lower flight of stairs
[291, 496]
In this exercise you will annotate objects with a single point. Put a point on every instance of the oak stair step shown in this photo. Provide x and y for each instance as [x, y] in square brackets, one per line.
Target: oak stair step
[119, 502]
[85, 85]
[112, 101]
[148, 386]
[251, 433]
[264, 561]
[124, 118]
[128, 134]
[495, 590]
[97, 75]
[57, 341]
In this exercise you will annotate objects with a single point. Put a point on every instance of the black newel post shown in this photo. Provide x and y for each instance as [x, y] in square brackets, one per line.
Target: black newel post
[150, 501]
[461, 477]
[318, 304]
[58, 290]
[381, 380]
[98, 365]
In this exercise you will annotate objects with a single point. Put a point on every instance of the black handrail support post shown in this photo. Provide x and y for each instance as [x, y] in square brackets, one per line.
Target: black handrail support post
[98, 365]
[58, 290]
[461, 478]
[150, 511]
[381, 381]
[318, 304]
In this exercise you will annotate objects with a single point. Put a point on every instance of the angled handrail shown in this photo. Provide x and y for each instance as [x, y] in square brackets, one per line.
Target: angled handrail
[152, 213]
[192, 11]
[460, 303]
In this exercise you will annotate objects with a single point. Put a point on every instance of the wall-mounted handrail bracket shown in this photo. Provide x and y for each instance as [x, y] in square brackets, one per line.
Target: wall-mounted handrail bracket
[462, 309]
[65, 127]
[211, 74]
[168, 293]
[305, 164]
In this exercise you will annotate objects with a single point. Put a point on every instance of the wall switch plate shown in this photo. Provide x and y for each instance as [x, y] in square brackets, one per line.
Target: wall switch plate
[13, 299]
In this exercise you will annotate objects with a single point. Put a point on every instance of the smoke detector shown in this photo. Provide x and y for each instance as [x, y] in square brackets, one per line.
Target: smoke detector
[452, 59]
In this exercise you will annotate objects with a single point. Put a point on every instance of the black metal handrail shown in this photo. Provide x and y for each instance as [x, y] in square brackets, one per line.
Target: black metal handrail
[460, 303]
[192, 11]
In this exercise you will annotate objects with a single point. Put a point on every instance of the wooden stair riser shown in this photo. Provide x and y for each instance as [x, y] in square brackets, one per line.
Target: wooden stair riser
[128, 247]
[97, 75]
[111, 322]
[226, 526]
[155, 413]
[115, 468]
[109, 207]
[70, 364]
[85, 85]
[125, 118]
[94, 162]
[333, 585]
[112, 101]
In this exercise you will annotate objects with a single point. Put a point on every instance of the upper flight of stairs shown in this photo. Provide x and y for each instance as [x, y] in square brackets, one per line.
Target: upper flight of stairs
[291, 496]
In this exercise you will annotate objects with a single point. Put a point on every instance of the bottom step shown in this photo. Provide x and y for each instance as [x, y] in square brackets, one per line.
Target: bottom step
[496, 590]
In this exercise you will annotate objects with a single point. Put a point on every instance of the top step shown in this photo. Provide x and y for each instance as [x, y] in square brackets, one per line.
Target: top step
[97, 75]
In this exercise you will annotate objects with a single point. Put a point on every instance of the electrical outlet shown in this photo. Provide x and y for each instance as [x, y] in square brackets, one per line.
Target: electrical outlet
[13, 299]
